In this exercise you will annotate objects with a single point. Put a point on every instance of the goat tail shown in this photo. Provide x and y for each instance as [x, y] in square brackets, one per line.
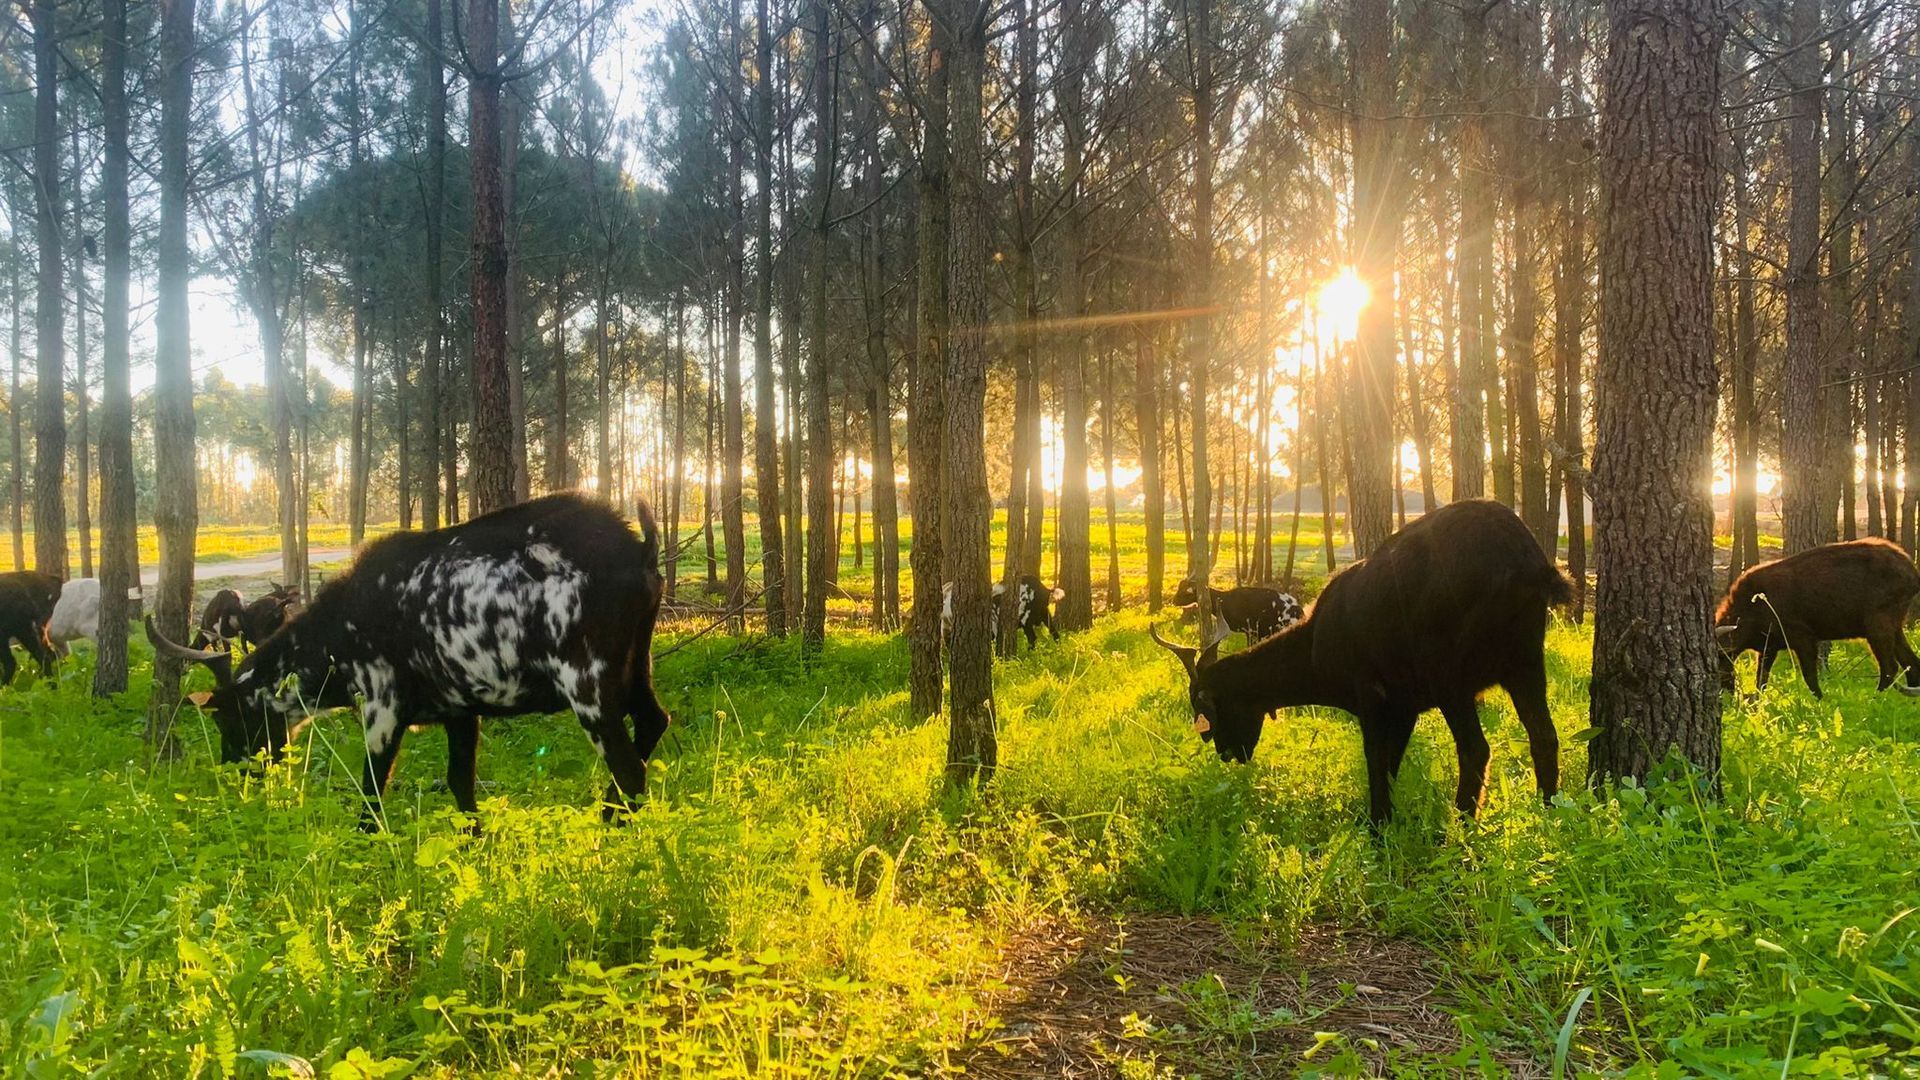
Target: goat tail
[649, 534]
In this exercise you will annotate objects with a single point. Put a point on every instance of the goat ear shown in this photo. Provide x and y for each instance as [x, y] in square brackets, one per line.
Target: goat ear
[1058, 594]
[999, 589]
[1207, 656]
[200, 698]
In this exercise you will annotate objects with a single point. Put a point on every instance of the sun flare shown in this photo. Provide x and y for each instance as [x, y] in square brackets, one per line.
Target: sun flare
[1340, 303]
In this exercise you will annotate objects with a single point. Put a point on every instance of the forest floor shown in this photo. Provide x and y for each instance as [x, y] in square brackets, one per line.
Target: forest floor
[801, 896]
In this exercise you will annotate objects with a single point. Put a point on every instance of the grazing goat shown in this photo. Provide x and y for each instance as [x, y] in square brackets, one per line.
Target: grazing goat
[539, 607]
[230, 617]
[1452, 604]
[76, 615]
[1859, 589]
[27, 600]
[1034, 606]
[1254, 610]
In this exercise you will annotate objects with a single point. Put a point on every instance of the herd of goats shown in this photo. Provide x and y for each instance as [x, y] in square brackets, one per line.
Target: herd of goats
[550, 605]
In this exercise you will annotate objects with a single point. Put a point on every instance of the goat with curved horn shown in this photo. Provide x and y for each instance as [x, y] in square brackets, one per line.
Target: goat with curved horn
[219, 661]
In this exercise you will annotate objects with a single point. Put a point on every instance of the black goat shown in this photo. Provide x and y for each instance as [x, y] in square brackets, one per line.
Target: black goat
[1857, 589]
[230, 617]
[1254, 610]
[540, 607]
[1451, 605]
[220, 619]
[27, 600]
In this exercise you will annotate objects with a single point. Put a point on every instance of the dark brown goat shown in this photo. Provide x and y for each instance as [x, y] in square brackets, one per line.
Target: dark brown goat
[1449, 606]
[26, 604]
[1859, 589]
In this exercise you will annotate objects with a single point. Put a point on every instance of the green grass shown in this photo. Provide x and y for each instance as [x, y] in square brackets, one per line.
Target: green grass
[801, 897]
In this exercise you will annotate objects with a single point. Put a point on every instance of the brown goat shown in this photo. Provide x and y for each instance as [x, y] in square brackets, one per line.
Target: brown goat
[1452, 604]
[1858, 589]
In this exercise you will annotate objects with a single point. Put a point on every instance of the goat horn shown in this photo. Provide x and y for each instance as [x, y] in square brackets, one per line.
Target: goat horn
[1722, 633]
[1185, 653]
[171, 648]
[1910, 691]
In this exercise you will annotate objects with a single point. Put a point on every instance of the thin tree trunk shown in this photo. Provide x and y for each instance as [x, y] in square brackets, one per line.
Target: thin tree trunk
[1807, 513]
[1655, 678]
[119, 555]
[176, 498]
[1199, 39]
[766, 426]
[50, 402]
[1374, 475]
[559, 454]
[822, 565]
[1471, 419]
[1146, 418]
[435, 75]
[18, 456]
[490, 435]
[82, 451]
[926, 409]
[972, 742]
[1075, 546]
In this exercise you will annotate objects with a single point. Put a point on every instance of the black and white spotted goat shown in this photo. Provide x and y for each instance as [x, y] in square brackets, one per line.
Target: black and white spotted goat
[540, 607]
[1034, 608]
[1254, 610]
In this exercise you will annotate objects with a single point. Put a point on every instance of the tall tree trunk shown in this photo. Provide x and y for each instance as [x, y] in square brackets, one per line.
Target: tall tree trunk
[677, 490]
[1806, 512]
[1112, 496]
[490, 439]
[1075, 545]
[1153, 492]
[119, 556]
[262, 290]
[926, 408]
[972, 743]
[434, 72]
[18, 456]
[1023, 551]
[1374, 476]
[886, 510]
[1199, 39]
[1473, 274]
[1655, 674]
[83, 465]
[766, 424]
[559, 454]
[822, 536]
[176, 512]
[359, 447]
[50, 402]
[604, 397]
[733, 436]
[513, 108]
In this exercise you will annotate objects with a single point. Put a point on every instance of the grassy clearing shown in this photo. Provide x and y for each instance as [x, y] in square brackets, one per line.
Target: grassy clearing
[801, 898]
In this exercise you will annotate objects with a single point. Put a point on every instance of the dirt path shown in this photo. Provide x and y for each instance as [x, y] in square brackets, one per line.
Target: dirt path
[1084, 999]
[257, 566]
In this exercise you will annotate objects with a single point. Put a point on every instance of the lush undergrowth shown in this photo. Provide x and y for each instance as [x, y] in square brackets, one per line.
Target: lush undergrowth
[799, 896]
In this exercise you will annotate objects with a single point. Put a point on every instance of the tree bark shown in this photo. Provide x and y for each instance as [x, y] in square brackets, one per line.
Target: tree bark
[1807, 513]
[176, 496]
[82, 458]
[118, 542]
[434, 71]
[490, 438]
[1075, 546]
[886, 509]
[1655, 666]
[822, 535]
[1475, 267]
[1146, 419]
[1199, 39]
[972, 743]
[766, 425]
[1376, 221]
[50, 402]
[926, 408]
